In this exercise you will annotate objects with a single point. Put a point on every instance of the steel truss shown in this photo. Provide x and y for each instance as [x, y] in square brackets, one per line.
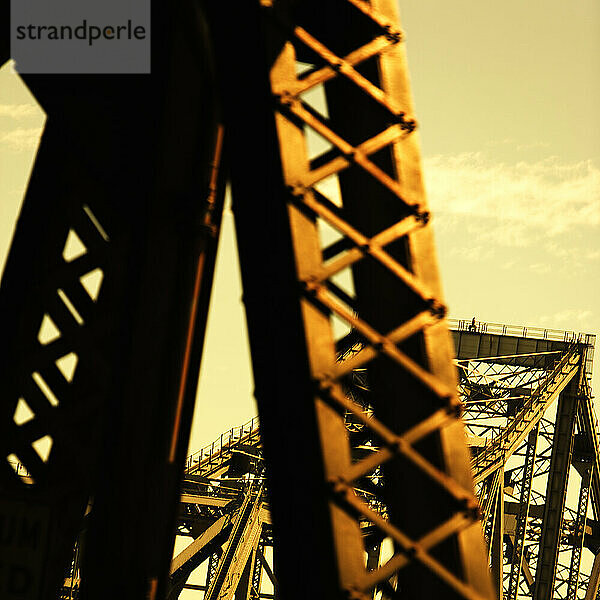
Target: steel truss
[329, 242]
[529, 415]
[501, 376]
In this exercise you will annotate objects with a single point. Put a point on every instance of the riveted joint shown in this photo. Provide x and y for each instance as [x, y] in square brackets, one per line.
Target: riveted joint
[470, 508]
[474, 513]
[423, 217]
[408, 125]
[397, 446]
[392, 35]
[285, 98]
[455, 408]
[337, 67]
[437, 308]
[324, 384]
[296, 189]
[338, 486]
[378, 346]
[350, 156]
[310, 286]
[208, 226]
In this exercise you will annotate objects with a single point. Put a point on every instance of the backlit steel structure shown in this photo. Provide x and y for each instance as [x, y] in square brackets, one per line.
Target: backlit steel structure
[534, 441]
[106, 289]
[534, 438]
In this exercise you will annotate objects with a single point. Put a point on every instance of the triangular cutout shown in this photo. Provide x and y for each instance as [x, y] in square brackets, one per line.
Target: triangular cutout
[23, 413]
[48, 331]
[74, 247]
[43, 446]
[328, 234]
[330, 188]
[67, 365]
[91, 282]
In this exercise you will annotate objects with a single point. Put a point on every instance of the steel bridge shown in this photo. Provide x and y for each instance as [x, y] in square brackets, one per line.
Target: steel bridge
[533, 435]
[103, 309]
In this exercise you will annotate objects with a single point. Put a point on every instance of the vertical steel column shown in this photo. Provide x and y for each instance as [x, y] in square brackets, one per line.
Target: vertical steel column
[497, 540]
[403, 268]
[488, 507]
[284, 389]
[243, 590]
[213, 565]
[397, 310]
[556, 490]
[123, 168]
[521, 528]
[257, 567]
[579, 533]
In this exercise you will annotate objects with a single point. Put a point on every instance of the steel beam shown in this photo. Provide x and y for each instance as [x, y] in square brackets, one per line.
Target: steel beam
[277, 209]
[213, 565]
[556, 490]
[235, 562]
[502, 447]
[243, 590]
[194, 554]
[497, 540]
[579, 531]
[257, 568]
[124, 165]
[510, 382]
[590, 429]
[521, 528]
[515, 346]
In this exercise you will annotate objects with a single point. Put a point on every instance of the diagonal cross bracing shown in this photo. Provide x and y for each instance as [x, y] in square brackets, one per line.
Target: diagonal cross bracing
[502, 447]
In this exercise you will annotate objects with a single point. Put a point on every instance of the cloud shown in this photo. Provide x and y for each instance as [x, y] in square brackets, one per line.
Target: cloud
[569, 315]
[549, 195]
[540, 268]
[473, 254]
[571, 253]
[20, 139]
[19, 111]
[533, 145]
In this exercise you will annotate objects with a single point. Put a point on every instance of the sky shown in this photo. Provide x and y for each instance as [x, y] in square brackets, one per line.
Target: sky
[506, 97]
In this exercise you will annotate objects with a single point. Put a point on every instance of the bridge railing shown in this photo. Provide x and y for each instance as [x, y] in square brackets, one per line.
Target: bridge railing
[521, 331]
[213, 452]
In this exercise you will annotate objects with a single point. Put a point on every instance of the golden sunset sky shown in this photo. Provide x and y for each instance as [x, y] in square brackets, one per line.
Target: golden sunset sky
[507, 98]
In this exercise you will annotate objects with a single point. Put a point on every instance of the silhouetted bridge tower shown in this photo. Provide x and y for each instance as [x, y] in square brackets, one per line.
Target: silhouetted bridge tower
[103, 309]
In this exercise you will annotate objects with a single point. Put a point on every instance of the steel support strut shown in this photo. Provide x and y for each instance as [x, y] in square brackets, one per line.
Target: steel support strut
[579, 532]
[496, 549]
[292, 293]
[109, 272]
[521, 529]
[556, 491]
